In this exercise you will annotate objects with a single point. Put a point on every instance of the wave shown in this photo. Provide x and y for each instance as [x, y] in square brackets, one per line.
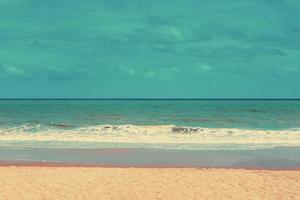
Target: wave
[169, 136]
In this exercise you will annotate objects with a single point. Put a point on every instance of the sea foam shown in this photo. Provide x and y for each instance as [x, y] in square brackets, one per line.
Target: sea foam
[162, 136]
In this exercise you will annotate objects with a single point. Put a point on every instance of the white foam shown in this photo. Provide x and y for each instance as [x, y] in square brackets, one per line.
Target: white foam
[160, 135]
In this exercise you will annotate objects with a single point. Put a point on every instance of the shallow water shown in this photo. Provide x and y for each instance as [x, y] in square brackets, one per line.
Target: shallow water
[276, 158]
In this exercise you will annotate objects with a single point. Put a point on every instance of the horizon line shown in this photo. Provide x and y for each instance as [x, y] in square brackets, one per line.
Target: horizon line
[199, 99]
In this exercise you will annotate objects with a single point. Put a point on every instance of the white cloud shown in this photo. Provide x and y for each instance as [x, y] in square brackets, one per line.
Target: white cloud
[13, 71]
[150, 74]
[127, 70]
[172, 32]
[203, 67]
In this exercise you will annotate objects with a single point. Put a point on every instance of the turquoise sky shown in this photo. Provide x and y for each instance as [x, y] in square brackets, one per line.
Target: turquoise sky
[142, 48]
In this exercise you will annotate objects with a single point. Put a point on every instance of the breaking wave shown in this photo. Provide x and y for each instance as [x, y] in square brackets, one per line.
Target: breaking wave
[156, 136]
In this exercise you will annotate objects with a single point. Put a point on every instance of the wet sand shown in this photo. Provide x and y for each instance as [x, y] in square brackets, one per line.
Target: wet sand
[38, 182]
[275, 158]
[59, 174]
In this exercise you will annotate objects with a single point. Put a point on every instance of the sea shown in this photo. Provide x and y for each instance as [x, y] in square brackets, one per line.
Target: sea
[179, 124]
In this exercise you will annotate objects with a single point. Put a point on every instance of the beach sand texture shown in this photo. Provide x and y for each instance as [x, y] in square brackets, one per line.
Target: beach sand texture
[57, 183]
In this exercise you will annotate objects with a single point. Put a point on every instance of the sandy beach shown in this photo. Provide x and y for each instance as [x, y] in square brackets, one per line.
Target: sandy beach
[36, 183]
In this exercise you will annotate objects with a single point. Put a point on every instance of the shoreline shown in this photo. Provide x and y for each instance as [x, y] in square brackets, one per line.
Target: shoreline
[29, 164]
[286, 158]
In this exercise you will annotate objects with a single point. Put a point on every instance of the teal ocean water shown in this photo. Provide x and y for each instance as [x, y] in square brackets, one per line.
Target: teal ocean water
[174, 124]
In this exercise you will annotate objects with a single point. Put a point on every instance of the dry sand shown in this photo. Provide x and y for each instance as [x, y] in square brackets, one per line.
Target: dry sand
[57, 183]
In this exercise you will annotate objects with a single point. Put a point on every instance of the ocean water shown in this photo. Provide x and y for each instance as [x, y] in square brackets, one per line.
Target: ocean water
[167, 124]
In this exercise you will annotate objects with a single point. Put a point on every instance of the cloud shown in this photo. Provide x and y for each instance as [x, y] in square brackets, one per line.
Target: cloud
[156, 72]
[172, 42]
[62, 74]
[12, 71]
[151, 35]
[127, 70]
[203, 67]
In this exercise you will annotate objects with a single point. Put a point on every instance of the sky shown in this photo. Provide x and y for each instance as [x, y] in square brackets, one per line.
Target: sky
[149, 49]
